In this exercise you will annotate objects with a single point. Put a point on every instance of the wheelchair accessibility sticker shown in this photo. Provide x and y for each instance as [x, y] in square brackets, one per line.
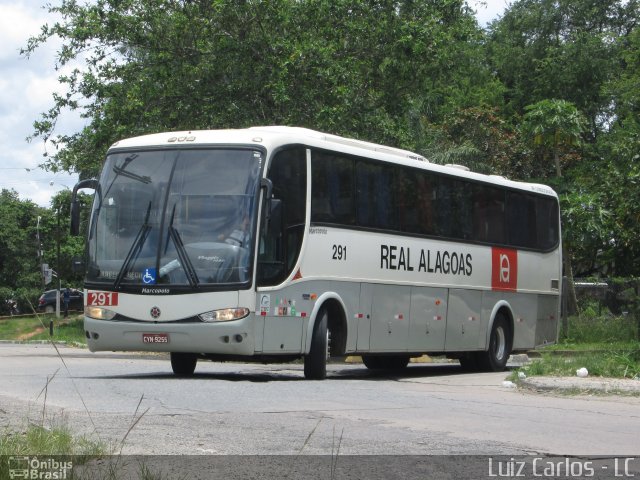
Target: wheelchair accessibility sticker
[149, 276]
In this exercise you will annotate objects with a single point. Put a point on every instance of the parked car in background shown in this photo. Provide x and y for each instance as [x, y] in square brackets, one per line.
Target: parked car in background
[47, 301]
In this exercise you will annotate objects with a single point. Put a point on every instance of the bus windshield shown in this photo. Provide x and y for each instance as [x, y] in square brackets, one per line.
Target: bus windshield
[181, 217]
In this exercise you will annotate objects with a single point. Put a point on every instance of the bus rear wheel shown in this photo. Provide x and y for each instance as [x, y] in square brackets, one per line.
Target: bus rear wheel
[183, 364]
[495, 358]
[392, 362]
[315, 362]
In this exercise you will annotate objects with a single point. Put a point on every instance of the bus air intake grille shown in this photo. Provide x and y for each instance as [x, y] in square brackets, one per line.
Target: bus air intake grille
[123, 318]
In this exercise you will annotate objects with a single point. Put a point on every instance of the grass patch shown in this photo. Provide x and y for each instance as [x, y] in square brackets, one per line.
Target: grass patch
[592, 347]
[26, 328]
[607, 346]
[602, 329]
[56, 444]
[612, 363]
[39, 440]
[70, 331]
[15, 327]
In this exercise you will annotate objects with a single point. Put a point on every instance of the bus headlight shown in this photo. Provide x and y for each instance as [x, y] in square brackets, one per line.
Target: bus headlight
[224, 315]
[99, 313]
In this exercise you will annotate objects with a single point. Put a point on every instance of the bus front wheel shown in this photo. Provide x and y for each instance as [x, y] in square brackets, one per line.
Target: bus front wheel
[183, 364]
[315, 362]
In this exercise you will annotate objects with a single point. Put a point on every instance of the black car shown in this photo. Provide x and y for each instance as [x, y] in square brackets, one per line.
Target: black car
[47, 301]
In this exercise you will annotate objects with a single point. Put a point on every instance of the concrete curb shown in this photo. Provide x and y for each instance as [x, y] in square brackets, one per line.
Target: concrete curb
[599, 385]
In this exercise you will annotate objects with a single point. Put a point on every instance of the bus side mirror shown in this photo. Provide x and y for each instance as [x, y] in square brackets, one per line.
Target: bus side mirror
[75, 203]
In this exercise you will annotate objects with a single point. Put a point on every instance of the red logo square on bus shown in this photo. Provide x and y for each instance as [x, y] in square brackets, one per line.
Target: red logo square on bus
[504, 269]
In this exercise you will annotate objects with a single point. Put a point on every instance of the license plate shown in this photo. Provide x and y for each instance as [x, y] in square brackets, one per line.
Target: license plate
[155, 338]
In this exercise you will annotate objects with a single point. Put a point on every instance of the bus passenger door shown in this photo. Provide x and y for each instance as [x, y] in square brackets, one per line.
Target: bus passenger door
[428, 327]
[464, 322]
[390, 315]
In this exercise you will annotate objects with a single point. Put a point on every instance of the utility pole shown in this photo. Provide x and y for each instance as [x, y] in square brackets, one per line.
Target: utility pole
[39, 253]
[58, 263]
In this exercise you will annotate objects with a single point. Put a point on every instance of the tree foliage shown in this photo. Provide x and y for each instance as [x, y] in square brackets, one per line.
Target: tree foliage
[561, 49]
[553, 125]
[29, 236]
[371, 69]
[550, 78]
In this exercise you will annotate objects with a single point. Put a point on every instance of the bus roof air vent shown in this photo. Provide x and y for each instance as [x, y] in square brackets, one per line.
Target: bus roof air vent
[459, 167]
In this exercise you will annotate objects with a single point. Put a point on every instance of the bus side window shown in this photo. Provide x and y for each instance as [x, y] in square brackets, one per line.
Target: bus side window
[488, 214]
[376, 196]
[521, 219]
[415, 194]
[333, 198]
[546, 223]
[280, 245]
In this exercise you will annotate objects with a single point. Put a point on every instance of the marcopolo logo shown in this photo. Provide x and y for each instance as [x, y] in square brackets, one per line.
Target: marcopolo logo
[38, 468]
[504, 269]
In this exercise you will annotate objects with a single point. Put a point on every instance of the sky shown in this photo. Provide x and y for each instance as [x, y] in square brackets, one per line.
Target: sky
[26, 88]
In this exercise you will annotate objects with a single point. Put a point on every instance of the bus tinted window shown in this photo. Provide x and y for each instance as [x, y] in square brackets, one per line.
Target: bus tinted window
[371, 194]
[415, 193]
[547, 223]
[333, 199]
[521, 219]
[376, 196]
[488, 214]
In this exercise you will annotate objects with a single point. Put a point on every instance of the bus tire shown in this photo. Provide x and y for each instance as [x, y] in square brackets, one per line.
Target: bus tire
[315, 362]
[183, 364]
[372, 362]
[470, 362]
[392, 362]
[495, 358]
[396, 362]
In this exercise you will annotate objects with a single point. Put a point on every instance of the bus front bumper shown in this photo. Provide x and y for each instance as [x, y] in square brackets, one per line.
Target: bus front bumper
[225, 338]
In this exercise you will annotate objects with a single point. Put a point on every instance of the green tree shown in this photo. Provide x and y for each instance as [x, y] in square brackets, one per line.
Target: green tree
[564, 49]
[19, 265]
[553, 125]
[587, 227]
[481, 139]
[615, 172]
[60, 248]
[375, 69]
[615, 179]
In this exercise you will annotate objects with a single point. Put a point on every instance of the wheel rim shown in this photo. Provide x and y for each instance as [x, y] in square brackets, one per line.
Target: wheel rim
[328, 344]
[500, 343]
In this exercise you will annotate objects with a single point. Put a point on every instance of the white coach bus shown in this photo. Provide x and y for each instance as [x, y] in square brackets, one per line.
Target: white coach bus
[276, 243]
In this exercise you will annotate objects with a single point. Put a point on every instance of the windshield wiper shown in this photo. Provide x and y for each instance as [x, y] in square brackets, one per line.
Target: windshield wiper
[136, 247]
[183, 256]
[123, 172]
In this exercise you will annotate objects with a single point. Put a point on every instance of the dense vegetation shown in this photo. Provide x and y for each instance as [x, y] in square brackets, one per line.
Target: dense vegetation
[548, 92]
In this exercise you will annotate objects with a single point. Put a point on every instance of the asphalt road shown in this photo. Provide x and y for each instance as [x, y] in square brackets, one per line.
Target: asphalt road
[254, 409]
